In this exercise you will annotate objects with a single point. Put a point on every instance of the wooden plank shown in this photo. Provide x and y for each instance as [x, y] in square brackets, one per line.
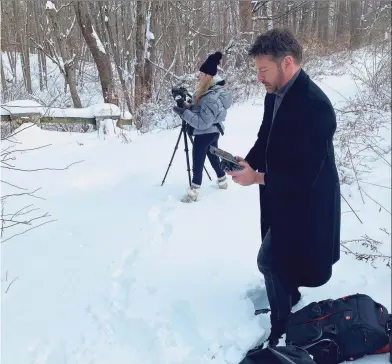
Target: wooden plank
[61, 120]
[65, 120]
[19, 116]
[5, 118]
[125, 122]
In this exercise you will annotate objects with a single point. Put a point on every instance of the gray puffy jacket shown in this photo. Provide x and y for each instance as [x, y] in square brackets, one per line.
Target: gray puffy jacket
[211, 109]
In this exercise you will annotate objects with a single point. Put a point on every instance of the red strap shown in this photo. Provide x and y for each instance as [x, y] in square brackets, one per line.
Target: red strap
[383, 350]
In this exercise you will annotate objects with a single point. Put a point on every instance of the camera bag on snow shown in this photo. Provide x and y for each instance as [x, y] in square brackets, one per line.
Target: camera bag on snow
[334, 331]
[277, 355]
[389, 332]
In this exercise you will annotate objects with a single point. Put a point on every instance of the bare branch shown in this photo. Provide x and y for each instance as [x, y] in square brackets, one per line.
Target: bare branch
[7, 164]
[355, 173]
[65, 6]
[374, 184]
[24, 150]
[19, 212]
[31, 194]
[351, 209]
[34, 227]
[24, 222]
[10, 184]
[6, 291]
[381, 206]
[43, 169]
[369, 244]
[168, 71]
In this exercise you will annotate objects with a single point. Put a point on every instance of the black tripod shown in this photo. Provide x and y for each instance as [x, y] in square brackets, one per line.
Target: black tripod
[183, 131]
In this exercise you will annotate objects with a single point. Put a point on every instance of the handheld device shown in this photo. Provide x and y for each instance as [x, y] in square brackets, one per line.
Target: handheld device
[228, 161]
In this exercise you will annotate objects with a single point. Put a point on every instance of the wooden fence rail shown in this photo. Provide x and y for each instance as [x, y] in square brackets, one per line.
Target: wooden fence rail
[18, 112]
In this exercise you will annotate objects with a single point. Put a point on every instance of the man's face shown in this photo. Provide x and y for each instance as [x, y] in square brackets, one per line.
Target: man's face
[270, 73]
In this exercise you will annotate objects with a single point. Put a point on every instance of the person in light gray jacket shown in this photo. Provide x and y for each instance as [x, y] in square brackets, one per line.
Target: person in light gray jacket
[205, 117]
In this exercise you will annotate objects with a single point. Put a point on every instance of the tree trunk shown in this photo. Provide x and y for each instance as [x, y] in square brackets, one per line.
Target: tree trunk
[3, 80]
[117, 62]
[69, 71]
[101, 58]
[304, 22]
[148, 71]
[140, 43]
[341, 19]
[26, 52]
[270, 22]
[355, 22]
[322, 26]
[246, 19]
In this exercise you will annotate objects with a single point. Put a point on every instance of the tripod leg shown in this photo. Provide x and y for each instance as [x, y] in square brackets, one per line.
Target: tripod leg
[205, 169]
[186, 152]
[174, 152]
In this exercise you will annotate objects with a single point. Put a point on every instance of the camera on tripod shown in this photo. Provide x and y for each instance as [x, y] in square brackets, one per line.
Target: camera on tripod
[180, 95]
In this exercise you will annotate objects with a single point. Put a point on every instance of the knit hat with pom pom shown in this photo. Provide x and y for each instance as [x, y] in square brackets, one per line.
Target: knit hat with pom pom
[210, 66]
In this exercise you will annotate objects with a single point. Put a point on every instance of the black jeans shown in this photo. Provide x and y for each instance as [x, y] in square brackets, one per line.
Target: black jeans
[279, 291]
[200, 150]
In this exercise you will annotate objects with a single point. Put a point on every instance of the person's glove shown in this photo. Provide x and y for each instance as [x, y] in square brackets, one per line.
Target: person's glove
[178, 110]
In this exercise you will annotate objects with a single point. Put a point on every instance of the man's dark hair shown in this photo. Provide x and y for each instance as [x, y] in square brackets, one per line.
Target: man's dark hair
[277, 43]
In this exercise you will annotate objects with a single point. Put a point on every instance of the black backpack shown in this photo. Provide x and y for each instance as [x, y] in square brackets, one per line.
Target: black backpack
[334, 331]
[277, 355]
[389, 332]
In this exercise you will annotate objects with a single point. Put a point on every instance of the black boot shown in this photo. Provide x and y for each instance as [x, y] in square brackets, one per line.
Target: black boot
[273, 341]
[278, 328]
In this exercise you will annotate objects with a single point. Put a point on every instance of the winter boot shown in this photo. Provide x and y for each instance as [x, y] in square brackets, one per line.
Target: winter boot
[192, 194]
[222, 183]
[278, 328]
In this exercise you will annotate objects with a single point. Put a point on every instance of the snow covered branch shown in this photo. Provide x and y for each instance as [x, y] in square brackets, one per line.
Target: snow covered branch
[167, 71]
[370, 244]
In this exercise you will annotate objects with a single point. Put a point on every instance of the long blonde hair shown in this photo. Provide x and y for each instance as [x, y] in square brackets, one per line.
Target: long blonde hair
[203, 87]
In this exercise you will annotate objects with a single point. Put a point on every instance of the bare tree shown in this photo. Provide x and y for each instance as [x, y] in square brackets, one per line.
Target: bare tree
[140, 41]
[116, 55]
[66, 59]
[186, 32]
[101, 58]
[355, 21]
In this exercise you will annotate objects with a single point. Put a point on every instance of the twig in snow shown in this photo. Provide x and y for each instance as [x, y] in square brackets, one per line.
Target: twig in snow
[370, 244]
[355, 173]
[34, 227]
[381, 206]
[374, 184]
[10, 184]
[42, 169]
[351, 209]
[6, 291]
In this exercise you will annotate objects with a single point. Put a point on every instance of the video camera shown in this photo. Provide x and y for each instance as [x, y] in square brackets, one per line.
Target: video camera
[228, 162]
[180, 94]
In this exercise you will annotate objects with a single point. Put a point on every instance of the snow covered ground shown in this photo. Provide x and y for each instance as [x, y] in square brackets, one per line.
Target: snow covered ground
[128, 274]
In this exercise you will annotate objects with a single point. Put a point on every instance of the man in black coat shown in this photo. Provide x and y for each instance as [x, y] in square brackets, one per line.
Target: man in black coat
[293, 162]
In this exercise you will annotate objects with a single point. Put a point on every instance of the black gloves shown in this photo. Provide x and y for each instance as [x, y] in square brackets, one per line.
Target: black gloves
[178, 110]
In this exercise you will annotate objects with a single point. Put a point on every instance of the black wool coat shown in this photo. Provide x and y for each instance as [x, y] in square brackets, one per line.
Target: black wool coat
[300, 201]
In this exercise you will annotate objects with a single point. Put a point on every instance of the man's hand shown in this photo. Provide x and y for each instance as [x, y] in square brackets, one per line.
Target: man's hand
[248, 176]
